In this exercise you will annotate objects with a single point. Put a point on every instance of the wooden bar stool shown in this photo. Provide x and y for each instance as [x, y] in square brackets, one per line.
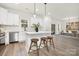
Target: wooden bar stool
[50, 40]
[34, 44]
[44, 42]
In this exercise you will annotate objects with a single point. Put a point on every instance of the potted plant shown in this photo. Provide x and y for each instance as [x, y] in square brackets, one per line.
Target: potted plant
[24, 26]
[36, 27]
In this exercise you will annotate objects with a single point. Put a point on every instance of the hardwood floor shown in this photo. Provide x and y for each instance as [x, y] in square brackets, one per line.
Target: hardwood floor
[65, 46]
[14, 49]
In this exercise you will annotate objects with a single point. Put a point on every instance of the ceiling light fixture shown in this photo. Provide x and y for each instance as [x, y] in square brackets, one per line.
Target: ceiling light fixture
[34, 10]
[45, 8]
[17, 3]
[45, 16]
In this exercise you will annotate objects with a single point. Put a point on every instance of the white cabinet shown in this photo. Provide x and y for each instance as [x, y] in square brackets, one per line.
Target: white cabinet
[3, 15]
[13, 19]
[8, 18]
[22, 36]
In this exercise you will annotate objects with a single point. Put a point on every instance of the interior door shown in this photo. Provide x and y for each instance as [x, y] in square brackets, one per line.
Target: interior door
[52, 28]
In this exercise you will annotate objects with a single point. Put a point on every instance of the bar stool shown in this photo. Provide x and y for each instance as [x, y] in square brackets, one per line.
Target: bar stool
[44, 42]
[50, 40]
[34, 44]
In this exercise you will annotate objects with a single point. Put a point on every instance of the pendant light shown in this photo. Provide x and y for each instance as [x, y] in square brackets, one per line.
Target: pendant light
[45, 8]
[45, 16]
[34, 10]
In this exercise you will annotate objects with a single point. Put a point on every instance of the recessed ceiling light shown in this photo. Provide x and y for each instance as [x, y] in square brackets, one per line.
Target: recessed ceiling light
[26, 8]
[37, 10]
[49, 13]
[17, 3]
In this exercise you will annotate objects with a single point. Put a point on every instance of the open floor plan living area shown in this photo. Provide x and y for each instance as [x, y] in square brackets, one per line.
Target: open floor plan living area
[39, 29]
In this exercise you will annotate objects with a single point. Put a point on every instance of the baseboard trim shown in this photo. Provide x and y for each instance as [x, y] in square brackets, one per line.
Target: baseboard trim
[10, 42]
[14, 42]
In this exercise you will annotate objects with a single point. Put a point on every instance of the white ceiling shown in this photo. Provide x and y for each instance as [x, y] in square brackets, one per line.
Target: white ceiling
[58, 10]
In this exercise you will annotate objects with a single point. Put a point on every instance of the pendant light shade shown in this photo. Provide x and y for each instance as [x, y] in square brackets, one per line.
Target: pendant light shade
[45, 8]
[34, 15]
[45, 15]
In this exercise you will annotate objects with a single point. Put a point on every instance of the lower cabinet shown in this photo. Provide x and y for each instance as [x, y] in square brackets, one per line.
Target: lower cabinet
[22, 36]
[2, 40]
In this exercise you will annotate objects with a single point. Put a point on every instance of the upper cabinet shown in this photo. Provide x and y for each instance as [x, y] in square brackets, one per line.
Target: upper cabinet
[13, 19]
[8, 18]
[3, 15]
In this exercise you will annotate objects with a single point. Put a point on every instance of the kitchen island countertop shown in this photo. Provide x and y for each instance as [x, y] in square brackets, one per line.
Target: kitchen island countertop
[40, 32]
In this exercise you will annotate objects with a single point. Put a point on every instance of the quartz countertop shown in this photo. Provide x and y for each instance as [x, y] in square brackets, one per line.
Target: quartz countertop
[13, 31]
[40, 32]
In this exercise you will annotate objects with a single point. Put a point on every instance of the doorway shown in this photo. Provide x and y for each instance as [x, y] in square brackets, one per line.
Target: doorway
[52, 29]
